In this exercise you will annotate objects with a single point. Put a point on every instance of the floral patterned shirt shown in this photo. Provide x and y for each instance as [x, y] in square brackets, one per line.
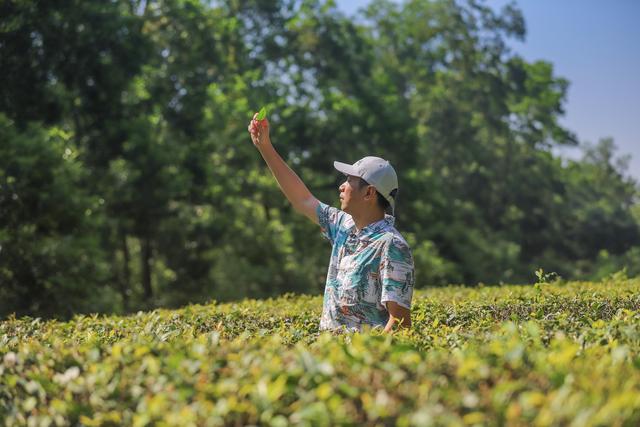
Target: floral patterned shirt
[367, 268]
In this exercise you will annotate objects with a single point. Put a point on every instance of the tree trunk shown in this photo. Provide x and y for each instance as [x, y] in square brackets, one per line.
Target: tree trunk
[146, 267]
[125, 282]
[266, 211]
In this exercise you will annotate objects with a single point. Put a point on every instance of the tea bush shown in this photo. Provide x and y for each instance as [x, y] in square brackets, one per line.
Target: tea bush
[549, 354]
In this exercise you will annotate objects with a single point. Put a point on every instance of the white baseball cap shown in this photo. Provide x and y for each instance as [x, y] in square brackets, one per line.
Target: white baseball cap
[377, 172]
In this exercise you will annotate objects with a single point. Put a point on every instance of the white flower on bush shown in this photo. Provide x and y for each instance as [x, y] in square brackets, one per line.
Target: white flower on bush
[69, 375]
[10, 359]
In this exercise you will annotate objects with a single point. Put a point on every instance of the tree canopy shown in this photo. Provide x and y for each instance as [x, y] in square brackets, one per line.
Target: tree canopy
[128, 180]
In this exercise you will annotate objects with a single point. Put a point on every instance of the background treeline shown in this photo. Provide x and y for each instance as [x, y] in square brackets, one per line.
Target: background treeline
[128, 180]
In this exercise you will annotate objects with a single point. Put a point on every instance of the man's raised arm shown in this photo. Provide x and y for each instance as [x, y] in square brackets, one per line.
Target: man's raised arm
[291, 185]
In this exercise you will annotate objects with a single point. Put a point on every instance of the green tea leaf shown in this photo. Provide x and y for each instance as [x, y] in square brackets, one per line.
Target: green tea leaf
[262, 114]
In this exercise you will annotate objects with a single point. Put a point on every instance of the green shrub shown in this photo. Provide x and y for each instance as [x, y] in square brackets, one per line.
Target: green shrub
[552, 354]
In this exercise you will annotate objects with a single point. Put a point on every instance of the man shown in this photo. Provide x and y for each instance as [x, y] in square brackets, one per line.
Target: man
[371, 274]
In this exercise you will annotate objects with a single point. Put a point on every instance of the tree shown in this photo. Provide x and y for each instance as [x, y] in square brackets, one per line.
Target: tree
[49, 241]
[153, 100]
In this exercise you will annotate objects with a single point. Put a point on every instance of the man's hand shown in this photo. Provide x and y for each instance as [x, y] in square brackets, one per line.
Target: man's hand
[397, 314]
[259, 131]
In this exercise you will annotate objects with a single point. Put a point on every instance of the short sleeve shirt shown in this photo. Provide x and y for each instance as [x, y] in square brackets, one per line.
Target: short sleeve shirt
[368, 267]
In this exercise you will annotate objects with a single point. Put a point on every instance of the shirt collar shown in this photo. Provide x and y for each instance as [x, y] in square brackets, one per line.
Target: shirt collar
[374, 227]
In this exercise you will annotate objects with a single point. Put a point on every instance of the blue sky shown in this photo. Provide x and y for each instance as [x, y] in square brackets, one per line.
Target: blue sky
[595, 44]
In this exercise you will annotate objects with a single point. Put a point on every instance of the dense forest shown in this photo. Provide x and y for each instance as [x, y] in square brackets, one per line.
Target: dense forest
[128, 179]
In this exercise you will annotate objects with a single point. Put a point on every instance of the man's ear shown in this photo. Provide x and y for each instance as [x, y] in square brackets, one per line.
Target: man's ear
[371, 191]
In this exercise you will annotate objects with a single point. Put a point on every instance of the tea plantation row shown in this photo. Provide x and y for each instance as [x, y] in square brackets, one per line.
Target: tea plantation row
[550, 354]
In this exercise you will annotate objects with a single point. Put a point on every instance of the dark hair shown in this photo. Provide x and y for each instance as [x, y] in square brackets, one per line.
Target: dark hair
[382, 202]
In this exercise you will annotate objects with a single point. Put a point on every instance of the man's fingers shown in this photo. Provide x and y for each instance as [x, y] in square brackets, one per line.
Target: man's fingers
[256, 128]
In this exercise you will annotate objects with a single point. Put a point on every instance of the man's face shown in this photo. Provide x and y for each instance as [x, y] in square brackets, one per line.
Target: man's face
[351, 195]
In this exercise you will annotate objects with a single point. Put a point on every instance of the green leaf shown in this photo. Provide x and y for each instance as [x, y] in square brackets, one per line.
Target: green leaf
[262, 114]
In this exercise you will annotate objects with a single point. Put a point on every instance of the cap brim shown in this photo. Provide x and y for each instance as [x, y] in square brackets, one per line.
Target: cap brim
[345, 168]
